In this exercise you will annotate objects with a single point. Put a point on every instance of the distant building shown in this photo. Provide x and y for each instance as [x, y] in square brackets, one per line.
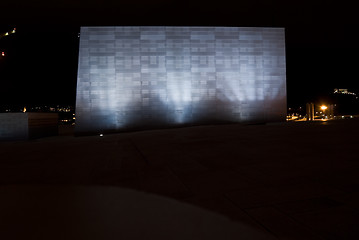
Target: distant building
[343, 91]
[346, 102]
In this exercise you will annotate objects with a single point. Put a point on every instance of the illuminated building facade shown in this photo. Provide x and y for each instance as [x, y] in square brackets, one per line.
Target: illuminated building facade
[151, 77]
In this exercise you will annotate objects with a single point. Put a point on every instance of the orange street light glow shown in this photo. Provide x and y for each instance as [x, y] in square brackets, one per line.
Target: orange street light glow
[323, 107]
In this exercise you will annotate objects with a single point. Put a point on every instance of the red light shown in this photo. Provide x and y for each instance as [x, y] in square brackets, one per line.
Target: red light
[3, 54]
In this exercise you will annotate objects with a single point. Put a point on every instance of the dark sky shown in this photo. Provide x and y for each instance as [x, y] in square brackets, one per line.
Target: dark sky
[41, 63]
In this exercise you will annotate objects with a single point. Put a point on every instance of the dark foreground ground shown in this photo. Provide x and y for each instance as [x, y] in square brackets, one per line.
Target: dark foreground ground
[290, 180]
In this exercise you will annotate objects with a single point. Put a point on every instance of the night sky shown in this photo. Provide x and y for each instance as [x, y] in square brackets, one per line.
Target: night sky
[40, 66]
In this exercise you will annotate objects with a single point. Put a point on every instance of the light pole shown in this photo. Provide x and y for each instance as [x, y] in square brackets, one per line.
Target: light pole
[323, 108]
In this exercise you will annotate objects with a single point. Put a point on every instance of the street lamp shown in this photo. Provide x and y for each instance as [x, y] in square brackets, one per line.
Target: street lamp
[323, 108]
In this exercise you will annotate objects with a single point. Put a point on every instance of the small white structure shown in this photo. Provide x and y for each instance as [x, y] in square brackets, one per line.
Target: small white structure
[23, 126]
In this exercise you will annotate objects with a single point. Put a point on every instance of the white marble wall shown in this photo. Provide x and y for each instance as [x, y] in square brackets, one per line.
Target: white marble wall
[145, 77]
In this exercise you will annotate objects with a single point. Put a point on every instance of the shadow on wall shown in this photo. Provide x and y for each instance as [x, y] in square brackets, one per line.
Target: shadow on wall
[157, 114]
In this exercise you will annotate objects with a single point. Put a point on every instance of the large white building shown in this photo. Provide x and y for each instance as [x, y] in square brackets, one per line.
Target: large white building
[150, 77]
